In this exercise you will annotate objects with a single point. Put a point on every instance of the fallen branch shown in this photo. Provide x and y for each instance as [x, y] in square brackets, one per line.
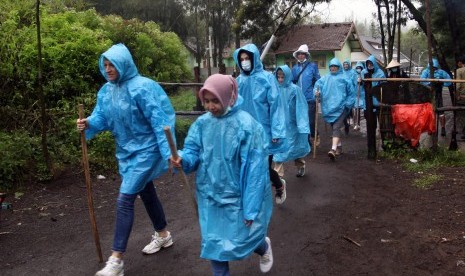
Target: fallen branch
[351, 240]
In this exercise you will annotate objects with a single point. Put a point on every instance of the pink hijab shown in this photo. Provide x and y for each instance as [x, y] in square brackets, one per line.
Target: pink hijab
[224, 87]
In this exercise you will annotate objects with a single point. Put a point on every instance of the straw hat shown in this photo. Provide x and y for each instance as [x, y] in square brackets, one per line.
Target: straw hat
[392, 64]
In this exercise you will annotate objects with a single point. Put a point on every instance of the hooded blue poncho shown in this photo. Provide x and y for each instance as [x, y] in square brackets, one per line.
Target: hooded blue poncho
[232, 182]
[297, 124]
[335, 93]
[259, 89]
[134, 109]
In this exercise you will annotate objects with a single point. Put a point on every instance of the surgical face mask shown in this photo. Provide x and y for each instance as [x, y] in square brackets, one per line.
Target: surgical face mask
[302, 61]
[359, 70]
[394, 69]
[246, 65]
[226, 111]
[370, 66]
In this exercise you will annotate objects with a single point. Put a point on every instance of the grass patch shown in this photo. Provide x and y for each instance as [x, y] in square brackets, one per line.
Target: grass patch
[426, 181]
[426, 163]
[183, 100]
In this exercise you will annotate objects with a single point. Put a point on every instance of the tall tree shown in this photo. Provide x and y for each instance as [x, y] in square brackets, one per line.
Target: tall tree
[258, 19]
[168, 14]
[390, 10]
[446, 41]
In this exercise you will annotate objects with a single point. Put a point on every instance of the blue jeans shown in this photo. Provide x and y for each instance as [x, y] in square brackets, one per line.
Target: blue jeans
[311, 117]
[125, 215]
[221, 268]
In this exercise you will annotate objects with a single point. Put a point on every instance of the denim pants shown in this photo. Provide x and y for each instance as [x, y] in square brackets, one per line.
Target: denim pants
[125, 215]
[221, 268]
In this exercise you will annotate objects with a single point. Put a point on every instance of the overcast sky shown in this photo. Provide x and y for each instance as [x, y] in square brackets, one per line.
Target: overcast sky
[344, 10]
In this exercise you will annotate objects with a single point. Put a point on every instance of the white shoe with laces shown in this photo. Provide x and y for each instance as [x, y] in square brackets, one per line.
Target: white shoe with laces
[114, 267]
[266, 261]
[301, 171]
[158, 243]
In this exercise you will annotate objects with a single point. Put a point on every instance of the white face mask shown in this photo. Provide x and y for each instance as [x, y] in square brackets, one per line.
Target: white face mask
[394, 69]
[226, 111]
[302, 61]
[246, 65]
[359, 70]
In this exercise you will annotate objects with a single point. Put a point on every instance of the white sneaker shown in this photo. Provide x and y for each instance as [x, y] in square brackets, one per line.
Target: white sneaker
[266, 261]
[157, 243]
[281, 198]
[301, 171]
[114, 267]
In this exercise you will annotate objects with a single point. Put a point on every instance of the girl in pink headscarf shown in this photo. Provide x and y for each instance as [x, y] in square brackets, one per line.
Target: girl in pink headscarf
[228, 149]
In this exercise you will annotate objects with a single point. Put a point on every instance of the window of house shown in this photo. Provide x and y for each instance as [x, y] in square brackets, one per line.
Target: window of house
[320, 60]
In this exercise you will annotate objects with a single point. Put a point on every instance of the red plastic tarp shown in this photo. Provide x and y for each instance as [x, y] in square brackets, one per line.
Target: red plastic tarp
[411, 120]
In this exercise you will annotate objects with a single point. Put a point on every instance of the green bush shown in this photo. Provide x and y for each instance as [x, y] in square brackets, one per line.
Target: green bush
[17, 149]
[72, 41]
[182, 127]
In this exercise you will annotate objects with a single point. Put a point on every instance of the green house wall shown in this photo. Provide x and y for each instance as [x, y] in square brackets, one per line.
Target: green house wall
[322, 58]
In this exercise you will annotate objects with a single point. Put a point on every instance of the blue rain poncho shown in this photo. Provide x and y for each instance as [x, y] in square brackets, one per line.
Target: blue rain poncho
[232, 182]
[377, 73]
[438, 73]
[296, 109]
[360, 89]
[351, 76]
[259, 88]
[335, 93]
[134, 109]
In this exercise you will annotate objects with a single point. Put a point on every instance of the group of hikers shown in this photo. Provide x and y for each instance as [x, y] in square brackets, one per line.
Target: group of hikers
[253, 125]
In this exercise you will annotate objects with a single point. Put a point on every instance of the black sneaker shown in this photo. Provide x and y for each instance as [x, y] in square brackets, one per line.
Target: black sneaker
[281, 193]
[332, 154]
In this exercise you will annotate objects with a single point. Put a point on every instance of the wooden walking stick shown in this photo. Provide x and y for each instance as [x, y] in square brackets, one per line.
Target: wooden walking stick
[357, 109]
[316, 122]
[174, 153]
[90, 203]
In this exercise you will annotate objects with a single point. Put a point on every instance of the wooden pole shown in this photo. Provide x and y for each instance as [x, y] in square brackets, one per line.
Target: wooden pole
[431, 69]
[174, 153]
[90, 203]
[316, 124]
[357, 109]
[370, 120]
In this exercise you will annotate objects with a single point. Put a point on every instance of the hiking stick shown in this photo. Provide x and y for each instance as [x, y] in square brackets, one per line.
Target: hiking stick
[357, 108]
[316, 123]
[174, 153]
[380, 118]
[90, 203]
[453, 141]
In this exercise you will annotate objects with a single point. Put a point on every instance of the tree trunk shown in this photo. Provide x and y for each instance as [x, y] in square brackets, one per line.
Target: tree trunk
[43, 112]
[453, 26]
[381, 26]
[422, 24]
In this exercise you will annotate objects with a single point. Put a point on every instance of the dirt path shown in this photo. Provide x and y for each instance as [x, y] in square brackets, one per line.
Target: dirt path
[349, 217]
